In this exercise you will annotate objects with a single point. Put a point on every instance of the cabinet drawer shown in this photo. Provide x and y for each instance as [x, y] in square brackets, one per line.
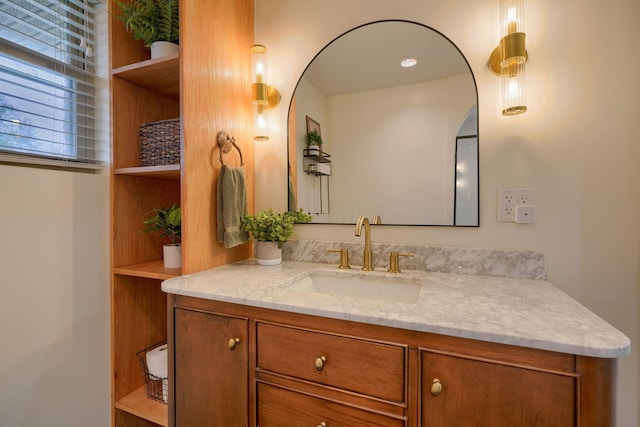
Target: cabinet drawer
[278, 407]
[368, 367]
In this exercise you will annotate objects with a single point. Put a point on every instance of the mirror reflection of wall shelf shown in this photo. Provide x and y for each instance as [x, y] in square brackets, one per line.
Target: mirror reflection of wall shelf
[313, 138]
[391, 131]
[316, 162]
[317, 166]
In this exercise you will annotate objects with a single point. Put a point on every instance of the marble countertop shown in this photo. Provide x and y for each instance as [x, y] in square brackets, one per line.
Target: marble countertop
[522, 312]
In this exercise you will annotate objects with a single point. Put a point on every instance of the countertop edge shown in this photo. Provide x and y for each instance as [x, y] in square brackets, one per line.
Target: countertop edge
[202, 285]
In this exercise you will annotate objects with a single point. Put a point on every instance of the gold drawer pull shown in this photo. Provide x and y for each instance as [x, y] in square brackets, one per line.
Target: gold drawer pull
[320, 361]
[322, 424]
[233, 342]
[436, 388]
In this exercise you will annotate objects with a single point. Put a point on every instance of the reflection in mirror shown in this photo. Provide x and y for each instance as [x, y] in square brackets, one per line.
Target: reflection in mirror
[466, 207]
[399, 143]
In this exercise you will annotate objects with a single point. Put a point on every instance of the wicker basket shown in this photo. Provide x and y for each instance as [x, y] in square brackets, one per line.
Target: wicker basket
[160, 143]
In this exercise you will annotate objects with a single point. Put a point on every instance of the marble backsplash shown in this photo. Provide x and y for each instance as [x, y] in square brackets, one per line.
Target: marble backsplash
[512, 263]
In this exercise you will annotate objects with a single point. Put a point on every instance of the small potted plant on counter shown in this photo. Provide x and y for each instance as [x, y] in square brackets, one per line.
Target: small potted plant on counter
[155, 22]
[168, 222]
[270, 230]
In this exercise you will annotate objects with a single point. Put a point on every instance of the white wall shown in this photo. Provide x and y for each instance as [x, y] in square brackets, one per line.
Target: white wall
[578, 144]
[54, 321]
[54, 286]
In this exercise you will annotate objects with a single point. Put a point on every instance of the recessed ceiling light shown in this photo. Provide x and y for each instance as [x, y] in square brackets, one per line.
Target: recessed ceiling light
[408, 62]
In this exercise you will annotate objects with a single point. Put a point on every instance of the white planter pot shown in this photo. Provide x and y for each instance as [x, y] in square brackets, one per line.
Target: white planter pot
[314, 150]
[268, 253]
[159, 49]
[172, 255]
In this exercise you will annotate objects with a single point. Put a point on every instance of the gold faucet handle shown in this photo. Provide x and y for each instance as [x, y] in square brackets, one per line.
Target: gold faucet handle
[344, 258]
[394, 262]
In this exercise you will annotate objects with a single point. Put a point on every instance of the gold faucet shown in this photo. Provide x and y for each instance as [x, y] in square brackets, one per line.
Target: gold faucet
[368, 256]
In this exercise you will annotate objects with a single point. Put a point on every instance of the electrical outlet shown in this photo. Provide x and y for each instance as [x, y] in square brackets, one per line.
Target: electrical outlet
[505, 205]
[508, 198]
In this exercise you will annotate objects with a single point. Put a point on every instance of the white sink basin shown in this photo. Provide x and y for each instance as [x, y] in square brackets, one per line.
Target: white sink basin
[359, 286]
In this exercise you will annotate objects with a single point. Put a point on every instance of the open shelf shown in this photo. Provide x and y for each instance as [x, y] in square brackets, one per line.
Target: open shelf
[318, 156]
[165, 171]
[316, 162]
[138, 404]
[149, 270]
[161, 75]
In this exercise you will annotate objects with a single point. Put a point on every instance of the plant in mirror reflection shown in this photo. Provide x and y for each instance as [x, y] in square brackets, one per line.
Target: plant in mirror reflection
[314, 138]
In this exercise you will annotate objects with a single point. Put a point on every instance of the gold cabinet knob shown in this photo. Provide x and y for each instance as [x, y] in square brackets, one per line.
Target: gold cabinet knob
[320, 361]
[322, 424]
[436, 388]
[233, 342]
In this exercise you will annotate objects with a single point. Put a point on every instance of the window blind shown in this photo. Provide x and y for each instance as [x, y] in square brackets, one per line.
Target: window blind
[48, 80]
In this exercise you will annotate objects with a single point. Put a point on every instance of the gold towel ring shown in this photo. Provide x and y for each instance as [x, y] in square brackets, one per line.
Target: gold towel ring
[225, 143]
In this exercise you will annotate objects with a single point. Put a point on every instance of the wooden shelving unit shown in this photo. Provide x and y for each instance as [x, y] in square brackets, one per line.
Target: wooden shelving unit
[143, 91]
[147, 90]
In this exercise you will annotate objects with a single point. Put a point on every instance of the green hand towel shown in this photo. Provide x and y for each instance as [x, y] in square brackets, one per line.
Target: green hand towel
[231, 206]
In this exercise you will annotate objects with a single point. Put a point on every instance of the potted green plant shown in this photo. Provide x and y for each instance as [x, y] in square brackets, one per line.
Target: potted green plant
[168, 222]
[314, 143]
[155, 22]
[270, 230]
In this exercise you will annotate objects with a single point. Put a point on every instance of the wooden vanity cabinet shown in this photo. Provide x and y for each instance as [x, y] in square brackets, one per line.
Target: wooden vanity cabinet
[302, 370]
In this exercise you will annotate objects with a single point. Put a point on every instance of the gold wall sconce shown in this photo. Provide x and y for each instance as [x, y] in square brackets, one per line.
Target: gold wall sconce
[509, 58]
[264, 96]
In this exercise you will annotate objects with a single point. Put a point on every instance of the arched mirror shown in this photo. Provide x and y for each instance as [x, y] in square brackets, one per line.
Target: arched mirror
[399, 144]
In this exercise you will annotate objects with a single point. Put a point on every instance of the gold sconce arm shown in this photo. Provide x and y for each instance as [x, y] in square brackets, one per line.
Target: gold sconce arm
[510, 52]
[265, 94]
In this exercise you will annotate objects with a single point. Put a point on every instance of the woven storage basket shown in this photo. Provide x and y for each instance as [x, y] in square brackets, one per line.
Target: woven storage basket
[160, 143]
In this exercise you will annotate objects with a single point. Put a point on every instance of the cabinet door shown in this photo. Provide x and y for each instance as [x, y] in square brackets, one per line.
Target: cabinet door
[211, 374]
[477, 393]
